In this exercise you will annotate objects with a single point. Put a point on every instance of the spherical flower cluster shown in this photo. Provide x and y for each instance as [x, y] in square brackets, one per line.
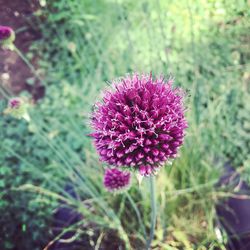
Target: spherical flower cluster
[7, 35]
[116, 180]
[140, 124]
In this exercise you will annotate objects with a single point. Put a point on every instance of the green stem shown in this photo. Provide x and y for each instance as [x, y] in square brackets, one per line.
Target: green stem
[138, 214]
[31, 67]
[153, 211]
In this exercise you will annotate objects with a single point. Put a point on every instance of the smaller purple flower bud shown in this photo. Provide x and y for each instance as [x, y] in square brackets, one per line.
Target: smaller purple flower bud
[17, 107]
[7, 35]
[116, 180]
[15, 103]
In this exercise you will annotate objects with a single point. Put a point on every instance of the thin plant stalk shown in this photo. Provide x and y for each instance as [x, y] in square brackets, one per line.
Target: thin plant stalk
[153, 211]
[31, 67]
[138, 214]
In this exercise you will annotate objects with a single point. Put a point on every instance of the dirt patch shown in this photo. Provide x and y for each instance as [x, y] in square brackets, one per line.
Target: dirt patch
[14, 72]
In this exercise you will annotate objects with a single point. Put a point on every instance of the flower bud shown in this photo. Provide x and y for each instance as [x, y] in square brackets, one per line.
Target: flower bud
[116, 180]
[17, 108]
[7, 35]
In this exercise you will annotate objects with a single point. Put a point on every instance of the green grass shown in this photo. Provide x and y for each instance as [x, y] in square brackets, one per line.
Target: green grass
[203, 44]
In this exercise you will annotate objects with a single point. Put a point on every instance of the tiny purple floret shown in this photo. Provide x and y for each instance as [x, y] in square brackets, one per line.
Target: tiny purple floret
[140, 123]
[14, 103]
[5, 33]
[116, 180]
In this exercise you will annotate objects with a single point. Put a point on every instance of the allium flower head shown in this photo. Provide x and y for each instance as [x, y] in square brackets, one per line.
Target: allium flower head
[140, 123]
[116, 180]
[7, 35]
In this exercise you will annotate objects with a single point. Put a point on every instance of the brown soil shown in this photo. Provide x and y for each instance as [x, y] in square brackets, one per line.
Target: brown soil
[18, 14]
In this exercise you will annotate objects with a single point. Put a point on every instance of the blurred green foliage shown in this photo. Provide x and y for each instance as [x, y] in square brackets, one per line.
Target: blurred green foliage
[204, 44]
[23, 213]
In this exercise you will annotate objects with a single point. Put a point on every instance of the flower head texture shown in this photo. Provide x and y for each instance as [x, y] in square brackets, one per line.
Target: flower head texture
[116, 180]
[7, 35]
[140, 123]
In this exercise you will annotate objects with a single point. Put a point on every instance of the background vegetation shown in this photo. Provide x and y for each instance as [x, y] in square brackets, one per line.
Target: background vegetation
[84, 44]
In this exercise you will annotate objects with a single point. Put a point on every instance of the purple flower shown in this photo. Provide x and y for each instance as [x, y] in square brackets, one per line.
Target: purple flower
[15, 103]
[116, 180]
[17, 107]
[140, 123]
[6, 34]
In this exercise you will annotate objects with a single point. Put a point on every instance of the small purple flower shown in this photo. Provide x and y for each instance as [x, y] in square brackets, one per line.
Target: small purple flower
[17, 107]
[140, 123]
[116, 180]
[15, 103]
[6, 34]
